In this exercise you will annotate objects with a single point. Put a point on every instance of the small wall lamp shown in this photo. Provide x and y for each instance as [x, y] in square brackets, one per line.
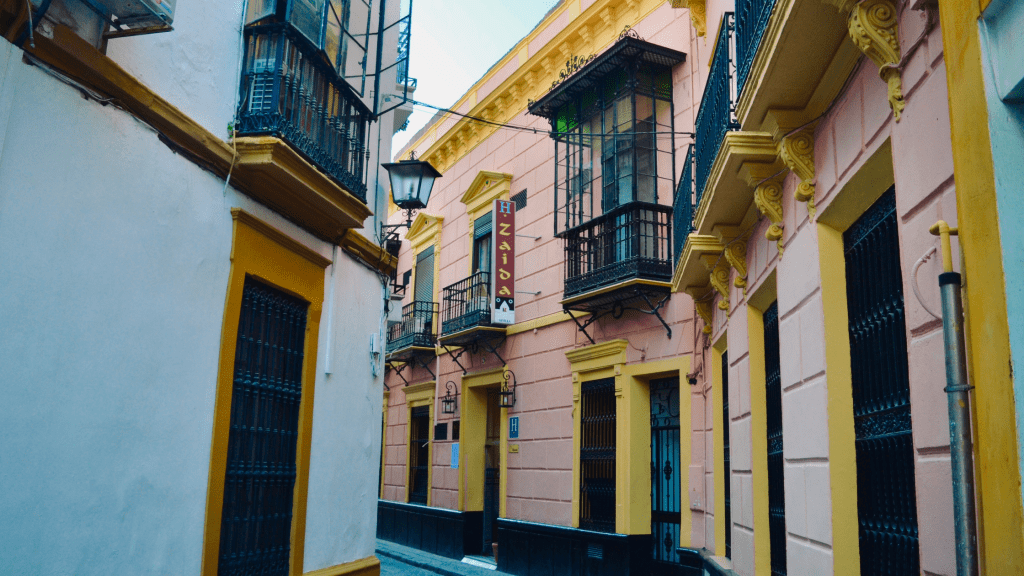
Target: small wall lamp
[450, 401]
[507, 395]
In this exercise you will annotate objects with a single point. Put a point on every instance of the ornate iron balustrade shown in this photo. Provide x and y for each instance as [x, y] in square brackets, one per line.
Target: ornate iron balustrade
[685, 204]
[751, 20]
[716, 114]
[416, 327]
[403, 53]
[466, 303]
[289, 91]
[631, 241]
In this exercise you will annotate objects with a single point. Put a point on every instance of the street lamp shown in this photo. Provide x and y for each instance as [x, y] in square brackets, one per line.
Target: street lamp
[450, 401]
[507, 394]
[411, 183]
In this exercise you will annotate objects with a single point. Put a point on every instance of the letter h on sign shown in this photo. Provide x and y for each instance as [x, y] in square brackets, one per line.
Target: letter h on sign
[503, 281]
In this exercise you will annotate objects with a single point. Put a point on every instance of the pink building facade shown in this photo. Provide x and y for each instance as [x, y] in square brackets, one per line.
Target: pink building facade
[721, 359]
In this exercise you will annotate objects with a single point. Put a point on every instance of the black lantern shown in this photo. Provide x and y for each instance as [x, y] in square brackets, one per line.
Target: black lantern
[411, 184]
[507, 395]
[450, 401]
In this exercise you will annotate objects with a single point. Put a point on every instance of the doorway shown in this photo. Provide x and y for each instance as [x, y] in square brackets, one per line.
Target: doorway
[665, 470]
[492, 471]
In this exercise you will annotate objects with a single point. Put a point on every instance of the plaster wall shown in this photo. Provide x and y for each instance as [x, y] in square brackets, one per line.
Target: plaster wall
[118, 253]
[858, 126]
[539, 475]
[1000, 29]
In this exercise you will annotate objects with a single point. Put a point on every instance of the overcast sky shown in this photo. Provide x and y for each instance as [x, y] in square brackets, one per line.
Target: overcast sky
[455, 42]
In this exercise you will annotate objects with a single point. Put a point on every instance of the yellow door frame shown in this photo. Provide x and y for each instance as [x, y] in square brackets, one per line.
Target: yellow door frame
[262, 251]
[718, 440]
[417, 395]
[472, 435]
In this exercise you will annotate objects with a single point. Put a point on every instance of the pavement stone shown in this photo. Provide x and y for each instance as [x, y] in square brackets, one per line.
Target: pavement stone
[431, 562]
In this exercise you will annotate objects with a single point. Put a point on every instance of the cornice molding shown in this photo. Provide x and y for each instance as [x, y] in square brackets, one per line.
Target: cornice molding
[425, 229]
[373, 255]
[423, 391]
[598, 356]
[293, 245]
[483, 190]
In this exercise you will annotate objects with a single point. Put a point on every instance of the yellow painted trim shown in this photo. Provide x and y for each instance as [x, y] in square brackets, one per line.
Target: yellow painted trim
[503, 465]
[598, 356]
[264, 168]
[280, 237]
[541, 322]
[384, 444]
[369, 566]
[759, 439]
[454, 335]
[473, 435]
[424, 232]
[842, 451]
[369, 252]
[260, 251]
[485, 188]
[1001, 518]
[416, 395]
[718, 442]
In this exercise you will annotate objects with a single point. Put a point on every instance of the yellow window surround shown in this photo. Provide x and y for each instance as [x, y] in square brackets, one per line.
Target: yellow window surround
[425, 231]
[479, 198]
[719, 423]
[419, 395]
[384, 442]
[261, 250]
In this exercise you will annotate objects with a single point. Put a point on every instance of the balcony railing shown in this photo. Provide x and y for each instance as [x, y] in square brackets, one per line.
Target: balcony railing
[289, 91]
[751, 20]
[416, 327]
[685, 205]
[466, 304]
[716, 114]
[631, 241]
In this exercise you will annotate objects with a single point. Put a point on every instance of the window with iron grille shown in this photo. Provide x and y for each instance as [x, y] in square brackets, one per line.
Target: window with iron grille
[261, 459]
[776, 466]
[597, 455]
[665, 470]
[419, 453]
[886, 496]
[726, 456]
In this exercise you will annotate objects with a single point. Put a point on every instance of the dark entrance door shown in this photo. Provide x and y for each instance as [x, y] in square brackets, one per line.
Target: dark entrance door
[261, 461]
[665, 486]
[886, 497]
[492, 471]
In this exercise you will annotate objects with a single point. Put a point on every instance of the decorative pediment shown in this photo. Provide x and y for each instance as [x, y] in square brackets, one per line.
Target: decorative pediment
[485, 188]
[425, 228]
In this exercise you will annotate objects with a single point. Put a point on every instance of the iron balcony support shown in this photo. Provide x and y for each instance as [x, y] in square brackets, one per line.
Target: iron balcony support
[582, 327]
[617, 307]
[486, 343]
[425, 366]
[455, 357]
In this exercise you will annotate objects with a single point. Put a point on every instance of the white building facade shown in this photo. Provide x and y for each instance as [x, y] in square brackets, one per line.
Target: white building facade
[192, 284]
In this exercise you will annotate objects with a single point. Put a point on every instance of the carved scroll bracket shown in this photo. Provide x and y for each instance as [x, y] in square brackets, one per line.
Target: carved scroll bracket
[797, 151]
[704, 311]
[698, 13]
[735, 252]
[768, 199]
[718, 267]
[875, 31]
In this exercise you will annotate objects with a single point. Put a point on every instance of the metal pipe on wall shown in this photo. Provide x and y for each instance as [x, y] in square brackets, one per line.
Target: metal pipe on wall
[958, 399]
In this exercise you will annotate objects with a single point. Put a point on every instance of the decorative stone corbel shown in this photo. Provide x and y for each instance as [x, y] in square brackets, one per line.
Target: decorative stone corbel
[698, 15]
[768, 198]
[736, 255]
[720, 280]
[875, 31]
[797, 151]
[704, 311]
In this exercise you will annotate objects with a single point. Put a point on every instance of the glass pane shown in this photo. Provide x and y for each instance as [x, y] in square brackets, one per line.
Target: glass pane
[258, 9]
[306, 16]
[333, 33]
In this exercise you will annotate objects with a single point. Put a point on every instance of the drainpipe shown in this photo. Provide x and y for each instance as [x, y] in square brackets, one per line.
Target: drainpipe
[958, 397]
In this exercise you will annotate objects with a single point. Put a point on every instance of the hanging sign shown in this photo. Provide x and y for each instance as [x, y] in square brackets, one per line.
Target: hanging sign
[503, 280]
[455, 455]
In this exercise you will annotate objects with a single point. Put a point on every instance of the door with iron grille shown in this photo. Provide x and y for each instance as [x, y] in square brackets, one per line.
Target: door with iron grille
[597, 455]
[665, 485]
[776, 471]
[419, 453]
[886, 497]
[261, 460]
[726, 455]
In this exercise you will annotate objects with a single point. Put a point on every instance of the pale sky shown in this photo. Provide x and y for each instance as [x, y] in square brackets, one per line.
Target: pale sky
[455, 42]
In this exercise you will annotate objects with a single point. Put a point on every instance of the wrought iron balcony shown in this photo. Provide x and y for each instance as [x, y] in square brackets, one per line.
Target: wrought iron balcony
[466, 304]
[685, 205]
[751, 20]
[717, 112]
[633, 241]
[416, 328]
[290, 91]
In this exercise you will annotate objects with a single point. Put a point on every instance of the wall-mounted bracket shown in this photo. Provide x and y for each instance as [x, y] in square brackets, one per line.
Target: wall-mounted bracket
[640, 297]
[455, 357]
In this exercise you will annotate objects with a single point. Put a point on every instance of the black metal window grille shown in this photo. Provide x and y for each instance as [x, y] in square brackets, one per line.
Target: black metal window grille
[416, 327]
[776, 471]
[751, 20]
[717, 112]
[597, 455]
[466, 303]
[726, 455]
[631, 241]
[685, 205]
[424, 289]
[519, 200]
[288, 90]
[261, 460]
[886, 496]
[665, 470]
[419, 453]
